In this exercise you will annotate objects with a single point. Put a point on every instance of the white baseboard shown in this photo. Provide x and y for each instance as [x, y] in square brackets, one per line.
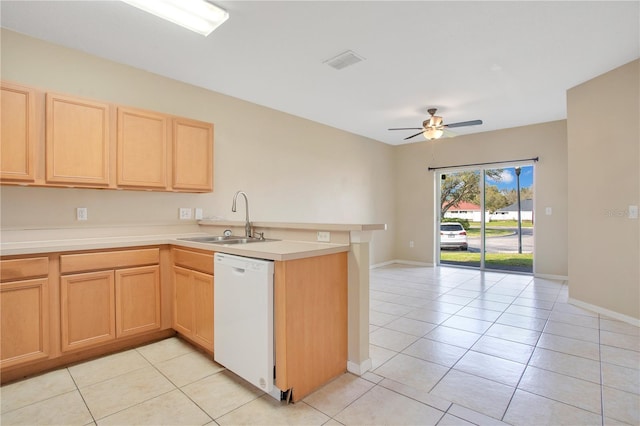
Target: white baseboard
[552, 277]
[615, 315]
[404, 262]
[359, 369]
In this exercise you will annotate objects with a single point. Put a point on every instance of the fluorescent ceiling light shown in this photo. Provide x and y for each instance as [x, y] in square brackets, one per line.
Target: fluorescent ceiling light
[199, 16]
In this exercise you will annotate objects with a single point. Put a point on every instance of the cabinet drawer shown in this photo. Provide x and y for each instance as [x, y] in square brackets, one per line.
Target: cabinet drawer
[108, 260]
[17, 269]
[202, 262]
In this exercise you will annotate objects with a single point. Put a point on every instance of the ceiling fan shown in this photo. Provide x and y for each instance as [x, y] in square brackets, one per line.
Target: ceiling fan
[433, 128]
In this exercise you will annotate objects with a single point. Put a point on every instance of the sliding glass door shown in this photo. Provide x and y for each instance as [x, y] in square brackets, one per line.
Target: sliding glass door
[486, 218]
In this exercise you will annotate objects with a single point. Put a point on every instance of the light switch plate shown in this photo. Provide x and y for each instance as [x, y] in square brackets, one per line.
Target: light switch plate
[633, 212]
[548, 211]
[198, 214]
[324, 236]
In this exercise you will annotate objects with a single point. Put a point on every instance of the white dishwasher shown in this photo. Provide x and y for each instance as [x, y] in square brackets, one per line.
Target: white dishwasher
[243, 319]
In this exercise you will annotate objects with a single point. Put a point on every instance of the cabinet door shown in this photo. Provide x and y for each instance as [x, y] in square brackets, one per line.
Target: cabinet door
[77, 141]
[87, 309]
[142, 148]
[137, 300]
[17, 133]
[24, 321]
[192, 155]
[203, 309]
[183, 301]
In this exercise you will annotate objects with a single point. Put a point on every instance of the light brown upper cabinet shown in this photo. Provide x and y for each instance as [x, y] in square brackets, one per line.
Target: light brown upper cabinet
[142, 148]
[17, 133]
[77, 141]
[192, 155]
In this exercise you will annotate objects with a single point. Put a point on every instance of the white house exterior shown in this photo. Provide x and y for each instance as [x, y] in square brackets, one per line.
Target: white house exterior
[511, 212]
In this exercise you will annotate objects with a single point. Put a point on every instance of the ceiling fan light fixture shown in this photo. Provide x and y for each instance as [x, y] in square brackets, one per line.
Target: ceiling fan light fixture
[432, 133]
[199, 16]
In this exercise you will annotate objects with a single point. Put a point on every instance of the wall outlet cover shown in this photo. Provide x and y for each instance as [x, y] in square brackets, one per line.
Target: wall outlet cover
[82, 213]
[324, 236]
[184, 213]
[198, 214]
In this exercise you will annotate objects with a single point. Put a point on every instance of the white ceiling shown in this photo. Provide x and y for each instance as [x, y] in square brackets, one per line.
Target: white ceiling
[507, 63]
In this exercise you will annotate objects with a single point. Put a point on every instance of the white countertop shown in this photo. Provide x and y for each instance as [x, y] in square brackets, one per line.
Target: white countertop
[272, 250]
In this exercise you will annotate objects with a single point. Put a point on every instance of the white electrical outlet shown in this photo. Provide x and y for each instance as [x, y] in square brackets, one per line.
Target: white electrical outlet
[548, 211]
[633, 212]
[198, 214]
[185, 213]
[410, 244]
[324, 236]
[82, 213]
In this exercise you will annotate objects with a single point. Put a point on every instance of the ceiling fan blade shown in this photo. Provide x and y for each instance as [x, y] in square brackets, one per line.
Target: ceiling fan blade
[413, 136]
[406, 128]
[464, 123]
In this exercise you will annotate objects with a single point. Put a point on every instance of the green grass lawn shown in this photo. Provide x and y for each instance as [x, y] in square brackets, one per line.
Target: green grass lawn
[502, 260]
[506, 224]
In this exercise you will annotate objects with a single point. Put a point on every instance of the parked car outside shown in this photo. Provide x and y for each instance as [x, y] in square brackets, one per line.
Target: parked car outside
[453, 235]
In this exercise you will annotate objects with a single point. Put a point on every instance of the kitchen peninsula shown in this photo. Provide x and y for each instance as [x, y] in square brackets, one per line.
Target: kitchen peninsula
[44, 272]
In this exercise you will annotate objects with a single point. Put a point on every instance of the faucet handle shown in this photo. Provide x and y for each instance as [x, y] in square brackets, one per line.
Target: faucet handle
[260, 235]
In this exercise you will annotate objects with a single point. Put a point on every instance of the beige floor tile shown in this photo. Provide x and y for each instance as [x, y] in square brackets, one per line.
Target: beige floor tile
[573, 331]
[472, 416]
[515, 334]
[165, 349]
[428, 315]
[444, 307]
[452, 336]
[488, 305]
[536, 324]
[65, 409]
[569, 390]
[568, 308]
[529, 409]
[412, 372]
[172, 408]
[528, 311]
[478, 313]
[621, 406]
[618, 356]
[533, 303]
[337, 395]
[380, 355]
[381, 406]
[221, 393]
[391, 339]
[107, 367]
[449, 420]
[124, 391]
[498, 298]
[434, 351]
[392, 308]
[467, 324]
[267, 411]
[381, 319]
[570, 346]
[491, 367]
[615, 326]
[417, 394]
[570, 365]
[479, 394]
[188, 368]
[411, 326]
[621, 378]
[619, 340]
[372, 377]
[25, 392]
[581, 320]
[513, 351]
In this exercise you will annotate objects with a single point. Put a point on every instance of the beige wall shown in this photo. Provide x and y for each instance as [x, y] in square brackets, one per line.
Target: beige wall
[292, 169]
[415, 197]
[604, 179]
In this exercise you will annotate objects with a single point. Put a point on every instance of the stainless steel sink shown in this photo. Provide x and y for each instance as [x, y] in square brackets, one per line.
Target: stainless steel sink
[232, 239]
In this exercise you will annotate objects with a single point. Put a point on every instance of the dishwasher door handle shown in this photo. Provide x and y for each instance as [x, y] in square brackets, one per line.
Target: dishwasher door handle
[238, 271]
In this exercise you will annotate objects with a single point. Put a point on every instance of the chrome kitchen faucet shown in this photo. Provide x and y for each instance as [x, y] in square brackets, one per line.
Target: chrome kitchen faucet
[247, 225]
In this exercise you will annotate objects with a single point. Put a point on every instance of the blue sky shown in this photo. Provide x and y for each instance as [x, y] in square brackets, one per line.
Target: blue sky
[508, 180]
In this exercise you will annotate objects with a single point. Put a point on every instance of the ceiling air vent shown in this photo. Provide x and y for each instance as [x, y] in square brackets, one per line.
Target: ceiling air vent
[343, 60]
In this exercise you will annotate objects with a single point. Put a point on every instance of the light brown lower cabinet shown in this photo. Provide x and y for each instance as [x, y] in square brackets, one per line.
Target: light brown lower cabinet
[193, 282]
[24, 320]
